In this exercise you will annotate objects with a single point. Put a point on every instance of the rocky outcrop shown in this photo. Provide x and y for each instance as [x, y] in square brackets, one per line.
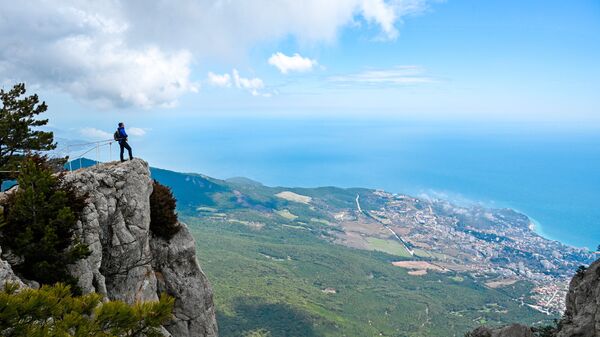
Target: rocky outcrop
[127, 262]
[179, 275]
[581, 317]
[7, 275]
[515, 330]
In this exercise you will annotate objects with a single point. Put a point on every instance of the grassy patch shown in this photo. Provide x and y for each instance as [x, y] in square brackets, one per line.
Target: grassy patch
[286, 214]
[392, 247]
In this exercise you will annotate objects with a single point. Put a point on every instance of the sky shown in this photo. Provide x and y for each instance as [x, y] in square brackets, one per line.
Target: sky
[534, 61]
[234, 87]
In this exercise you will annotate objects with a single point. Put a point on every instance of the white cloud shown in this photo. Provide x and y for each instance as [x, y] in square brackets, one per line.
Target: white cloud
[253, 85]
[401, 75]
[95, 134]
[84, 52]
[228, 28]
[138, 132]
[216, 80]
[140, 53]
[295, 62]
[382, 13]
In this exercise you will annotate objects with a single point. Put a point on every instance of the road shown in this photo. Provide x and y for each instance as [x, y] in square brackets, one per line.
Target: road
[410, 251]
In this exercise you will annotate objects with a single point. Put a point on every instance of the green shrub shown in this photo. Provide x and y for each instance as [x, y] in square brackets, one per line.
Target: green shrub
[163, 219]
[54, 311]
[257, 333]
[38, 225]
[548, 330]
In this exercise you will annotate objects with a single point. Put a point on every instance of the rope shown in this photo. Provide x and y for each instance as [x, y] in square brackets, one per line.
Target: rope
[66, 149]
[90, 143]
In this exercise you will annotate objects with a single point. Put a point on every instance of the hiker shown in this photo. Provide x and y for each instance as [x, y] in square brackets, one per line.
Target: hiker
[121, 137]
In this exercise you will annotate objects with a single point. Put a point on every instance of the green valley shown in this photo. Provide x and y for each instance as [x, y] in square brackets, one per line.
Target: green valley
[358, 262]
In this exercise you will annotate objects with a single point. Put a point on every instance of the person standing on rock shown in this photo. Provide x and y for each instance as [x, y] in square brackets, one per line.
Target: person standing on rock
[121, 137]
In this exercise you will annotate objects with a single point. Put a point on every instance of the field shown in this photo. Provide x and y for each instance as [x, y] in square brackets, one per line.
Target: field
[392, 247]
[289, 283]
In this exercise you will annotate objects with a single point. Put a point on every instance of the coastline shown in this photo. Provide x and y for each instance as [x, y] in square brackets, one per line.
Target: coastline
[537, 228]
[463, 200]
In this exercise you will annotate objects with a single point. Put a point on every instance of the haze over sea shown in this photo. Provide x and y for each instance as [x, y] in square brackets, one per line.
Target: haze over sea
[550, 174]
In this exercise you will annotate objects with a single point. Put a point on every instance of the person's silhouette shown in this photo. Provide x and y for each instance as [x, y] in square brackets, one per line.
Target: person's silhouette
[122, 139]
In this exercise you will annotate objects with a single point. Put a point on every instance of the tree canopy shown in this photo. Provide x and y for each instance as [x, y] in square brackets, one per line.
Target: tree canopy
[39, 222]
[19, 135]
[54, 311]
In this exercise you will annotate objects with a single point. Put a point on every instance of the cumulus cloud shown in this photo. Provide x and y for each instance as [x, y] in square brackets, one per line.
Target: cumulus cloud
[140, 53]
[84, 52]
[219, 80]
[134, 131]
[229, 27]
[401, 75]
[95, 134]
[253, 85]
[295, 62]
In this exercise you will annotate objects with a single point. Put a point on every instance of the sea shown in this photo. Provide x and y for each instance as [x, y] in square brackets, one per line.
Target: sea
[549, 172]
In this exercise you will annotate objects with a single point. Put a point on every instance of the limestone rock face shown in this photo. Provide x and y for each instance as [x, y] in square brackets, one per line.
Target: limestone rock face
[582, 316]
[179, 275]
[127, 262]
[7, 274]
[116, 226]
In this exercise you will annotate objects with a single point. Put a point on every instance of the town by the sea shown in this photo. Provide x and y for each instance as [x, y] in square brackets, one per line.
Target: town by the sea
[550, 173]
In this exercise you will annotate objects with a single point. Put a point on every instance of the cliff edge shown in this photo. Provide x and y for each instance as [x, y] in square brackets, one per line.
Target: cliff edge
[127, 262]
[581, 317]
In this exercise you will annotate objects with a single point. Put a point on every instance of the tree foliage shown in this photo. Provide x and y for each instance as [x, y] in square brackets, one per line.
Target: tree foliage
[546, 331]
[163, 219]
[18, 123]
[257, 333]
[54, 311]
[39, 221]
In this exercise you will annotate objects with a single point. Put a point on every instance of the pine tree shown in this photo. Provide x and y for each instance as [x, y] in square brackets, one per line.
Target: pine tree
[39, 223]
[18, 128]
[54, 311]
[163, 219]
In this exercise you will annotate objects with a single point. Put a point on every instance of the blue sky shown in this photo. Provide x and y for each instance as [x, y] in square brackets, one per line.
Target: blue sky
[149, 63]
[493, 101]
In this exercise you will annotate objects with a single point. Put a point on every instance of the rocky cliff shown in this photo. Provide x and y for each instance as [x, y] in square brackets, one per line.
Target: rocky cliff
[581, 317]
[127, 262]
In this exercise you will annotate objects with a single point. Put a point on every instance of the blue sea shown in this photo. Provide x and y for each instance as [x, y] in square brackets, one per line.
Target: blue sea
[550, 173]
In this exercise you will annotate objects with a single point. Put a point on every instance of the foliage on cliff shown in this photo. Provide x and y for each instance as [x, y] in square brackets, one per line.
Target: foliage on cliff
[163, 220]
[18, 123]
[54, 311]
[39, 223]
